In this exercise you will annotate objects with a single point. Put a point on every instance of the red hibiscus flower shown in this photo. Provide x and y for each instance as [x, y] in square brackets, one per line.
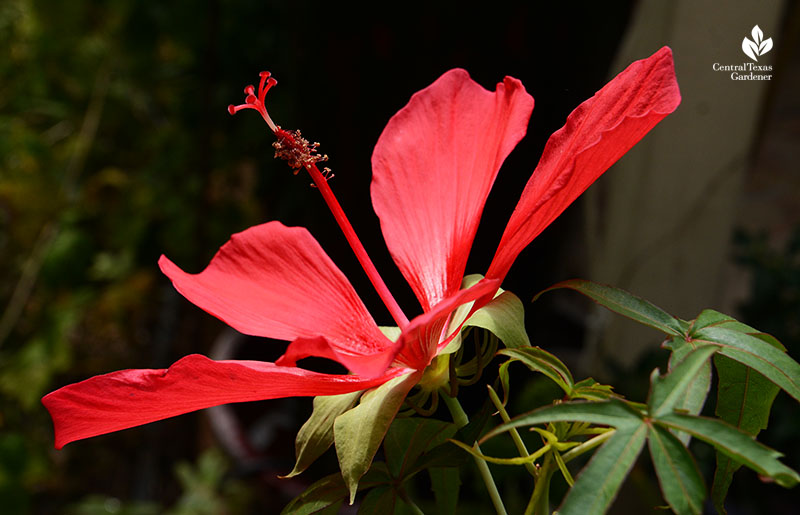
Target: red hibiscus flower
[433, 167]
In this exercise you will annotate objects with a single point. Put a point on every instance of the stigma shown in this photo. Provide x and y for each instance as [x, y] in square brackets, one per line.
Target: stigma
[253, 101]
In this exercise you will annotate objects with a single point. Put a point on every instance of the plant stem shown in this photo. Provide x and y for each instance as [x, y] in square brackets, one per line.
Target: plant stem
[540, 499]
[514, 433]
[587, 446]
[461, 420]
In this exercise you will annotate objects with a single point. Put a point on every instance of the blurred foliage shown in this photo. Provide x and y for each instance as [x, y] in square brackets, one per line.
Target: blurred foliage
[107, 159]
[206, 491]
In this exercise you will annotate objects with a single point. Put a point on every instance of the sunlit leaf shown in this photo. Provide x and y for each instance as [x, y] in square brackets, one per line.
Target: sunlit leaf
[504, 317]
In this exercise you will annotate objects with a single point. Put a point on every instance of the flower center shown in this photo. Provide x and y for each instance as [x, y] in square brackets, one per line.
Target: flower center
[299, 153]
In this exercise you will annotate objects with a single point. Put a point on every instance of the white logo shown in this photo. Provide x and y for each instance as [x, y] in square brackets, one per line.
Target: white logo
[758, 46]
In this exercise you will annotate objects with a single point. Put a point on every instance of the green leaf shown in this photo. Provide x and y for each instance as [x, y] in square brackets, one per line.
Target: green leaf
[756, 353]
[447, 455]
[591, 390]
[540, 360]
[599, 481]
[680, 480]
[409, 438]
[613, 413]
[695, 395]
[711, 318]
[734, 443]
[358, 432]
[445, 483]
[316, 435]
[327, 495]
[382, 499]
[622, 302]
[668, 391]
[744, 400]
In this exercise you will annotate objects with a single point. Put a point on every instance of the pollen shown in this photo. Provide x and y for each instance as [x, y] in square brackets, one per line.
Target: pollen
[293, 148]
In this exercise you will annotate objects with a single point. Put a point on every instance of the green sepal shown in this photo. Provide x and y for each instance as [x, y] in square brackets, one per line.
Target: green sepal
[358, 433]
[504, 317]
[598, 483]
[680, 480]
[316, 435]
[624, 303]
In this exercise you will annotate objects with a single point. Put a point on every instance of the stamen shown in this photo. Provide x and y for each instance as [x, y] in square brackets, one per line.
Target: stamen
[299, 153]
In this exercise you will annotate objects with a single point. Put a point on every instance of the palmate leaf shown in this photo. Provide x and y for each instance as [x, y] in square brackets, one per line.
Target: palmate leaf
[614, 413]
[326, 496]
[734, 443]
[757, 354]
[678, 476]
[625, 304]
[695, 395]
[744, 396]
[445, 483]
[408, 439]
[599, 482]
[669, 390]
[744, 400]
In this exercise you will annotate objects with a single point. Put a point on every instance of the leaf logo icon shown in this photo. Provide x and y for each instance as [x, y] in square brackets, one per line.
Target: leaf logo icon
[758, 46]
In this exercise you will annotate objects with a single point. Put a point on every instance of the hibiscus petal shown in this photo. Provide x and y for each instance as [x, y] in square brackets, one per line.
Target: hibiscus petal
[365, 365]
[276, 281]
[424, 336]
[128, 398]
[596, 134]
[433, 167]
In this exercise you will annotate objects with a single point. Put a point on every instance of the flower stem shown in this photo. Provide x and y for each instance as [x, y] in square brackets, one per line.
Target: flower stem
[461, 420]
[350, 234]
